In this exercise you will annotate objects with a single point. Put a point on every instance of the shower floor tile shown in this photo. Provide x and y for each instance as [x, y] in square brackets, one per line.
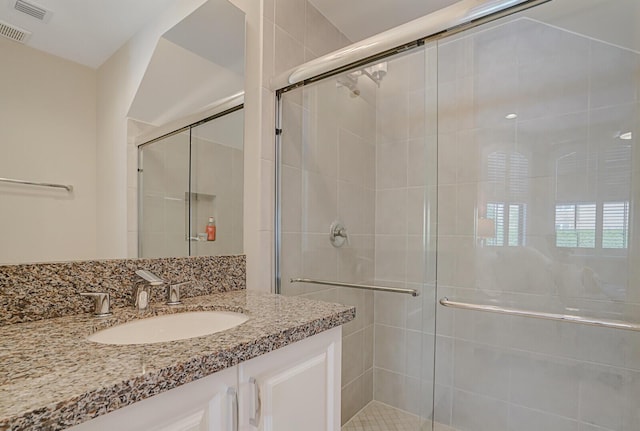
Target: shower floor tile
[377, 416]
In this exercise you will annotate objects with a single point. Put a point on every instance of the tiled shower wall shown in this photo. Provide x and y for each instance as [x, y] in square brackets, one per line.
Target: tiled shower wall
[360, 159]
[573, 97]
[327, 173]
[217, 172]
[494, 372]
[164, 182]
[406, 130]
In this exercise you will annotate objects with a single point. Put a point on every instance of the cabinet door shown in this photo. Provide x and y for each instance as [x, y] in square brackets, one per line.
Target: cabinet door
[294, 388]
[208, 404]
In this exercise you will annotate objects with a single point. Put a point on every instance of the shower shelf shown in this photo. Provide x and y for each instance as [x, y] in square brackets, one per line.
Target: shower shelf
[603, 323]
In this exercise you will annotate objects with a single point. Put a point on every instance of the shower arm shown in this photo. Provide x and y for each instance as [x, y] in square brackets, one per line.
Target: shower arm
[370, 76]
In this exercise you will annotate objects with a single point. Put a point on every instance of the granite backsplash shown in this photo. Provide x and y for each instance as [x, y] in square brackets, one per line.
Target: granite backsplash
[30, 292]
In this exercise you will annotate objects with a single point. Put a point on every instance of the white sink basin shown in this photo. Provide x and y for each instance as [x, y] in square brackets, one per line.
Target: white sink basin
[169, 327]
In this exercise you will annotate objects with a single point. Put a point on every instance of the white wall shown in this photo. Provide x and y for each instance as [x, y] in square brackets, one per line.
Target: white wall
[328, 150]
[291, 32]
[48, 134]
[256, 244]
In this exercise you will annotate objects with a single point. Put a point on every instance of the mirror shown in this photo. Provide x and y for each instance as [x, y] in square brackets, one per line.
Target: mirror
[57, 122]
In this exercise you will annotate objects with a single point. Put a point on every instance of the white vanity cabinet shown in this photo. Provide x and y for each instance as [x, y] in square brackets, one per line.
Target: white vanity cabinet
[204, 405]
[296, 388]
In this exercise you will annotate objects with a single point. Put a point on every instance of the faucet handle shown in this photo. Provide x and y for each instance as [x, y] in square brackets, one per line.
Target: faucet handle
[173, 293]
[338, 234]
[150, 277]
[101, 303]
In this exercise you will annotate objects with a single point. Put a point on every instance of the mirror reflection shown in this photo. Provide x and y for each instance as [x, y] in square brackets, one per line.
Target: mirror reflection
[72, 114]
[191, 188]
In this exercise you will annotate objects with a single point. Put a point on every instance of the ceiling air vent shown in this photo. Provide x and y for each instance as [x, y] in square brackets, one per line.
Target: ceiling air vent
[14, 33]
[33, 10]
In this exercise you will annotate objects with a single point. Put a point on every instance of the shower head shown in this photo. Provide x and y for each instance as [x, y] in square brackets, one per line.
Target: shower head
[349, 81]
[376, 72]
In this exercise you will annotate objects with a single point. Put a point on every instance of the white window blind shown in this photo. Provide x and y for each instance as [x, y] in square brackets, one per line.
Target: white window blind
[614, 171]
[510, 222]
[495, 212]
[497, 166]
[518, 177]
[576, 225]
[515, 225]
[513, 170]
[615, 224]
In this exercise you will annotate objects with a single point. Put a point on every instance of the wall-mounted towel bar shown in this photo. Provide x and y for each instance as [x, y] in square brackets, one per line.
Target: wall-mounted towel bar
[411, 292]
[68, 188]
[605, 323]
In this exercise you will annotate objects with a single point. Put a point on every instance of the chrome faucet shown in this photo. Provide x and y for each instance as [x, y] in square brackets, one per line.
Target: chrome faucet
[141, 292]
[173, 293]
[101, 303]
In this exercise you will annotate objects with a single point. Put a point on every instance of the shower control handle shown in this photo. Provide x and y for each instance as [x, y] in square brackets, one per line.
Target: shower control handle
[338, 234]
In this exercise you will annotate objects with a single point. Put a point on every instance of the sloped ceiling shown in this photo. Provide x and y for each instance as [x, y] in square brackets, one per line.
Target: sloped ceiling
[197, 62]
[178, 83]
[214, 32]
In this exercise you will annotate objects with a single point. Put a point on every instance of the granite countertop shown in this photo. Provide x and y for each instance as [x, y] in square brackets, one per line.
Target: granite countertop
[52, 377]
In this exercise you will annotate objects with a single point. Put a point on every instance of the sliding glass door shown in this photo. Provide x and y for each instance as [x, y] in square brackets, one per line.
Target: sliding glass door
[357, 207]
[537, 124]
[508, 152]
[191, 189]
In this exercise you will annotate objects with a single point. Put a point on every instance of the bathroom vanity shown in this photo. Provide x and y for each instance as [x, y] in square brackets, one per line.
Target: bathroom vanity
[279, 370]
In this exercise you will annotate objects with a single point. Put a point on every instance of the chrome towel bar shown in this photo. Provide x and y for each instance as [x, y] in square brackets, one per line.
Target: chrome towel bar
[604, 323]
[32, 183]
[411, 292]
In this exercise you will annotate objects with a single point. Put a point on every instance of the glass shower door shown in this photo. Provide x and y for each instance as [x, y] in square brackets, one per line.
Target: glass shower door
[537, 123]
[164, 184]
[217, 161]
[357, 160]
[191, 179]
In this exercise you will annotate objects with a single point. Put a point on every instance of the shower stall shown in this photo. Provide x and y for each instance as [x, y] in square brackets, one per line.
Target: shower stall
[187, 177]
[472, 194]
